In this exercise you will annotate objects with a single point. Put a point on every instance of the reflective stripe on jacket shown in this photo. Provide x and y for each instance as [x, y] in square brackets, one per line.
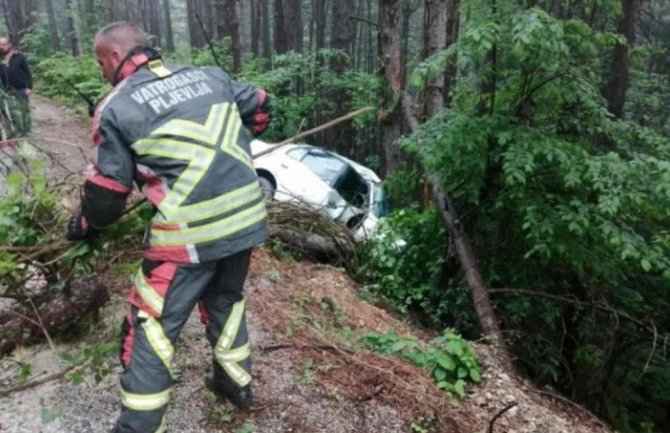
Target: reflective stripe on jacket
[182, 134]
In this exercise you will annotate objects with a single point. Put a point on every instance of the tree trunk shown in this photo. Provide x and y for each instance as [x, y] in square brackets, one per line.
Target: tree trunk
[320, 16]
[153, 20]
[53, 27]
[281, 39]
[486, 315]
[341, 137]
[75, 43]
[9, 23]
[169, 36]
[619, 75]
[435, 39]
[256, 28]
[267, 40]
[57, 310]
[453, 24]
[111, 10]
[232, 12]
[30, 13]
[196, 35]
[293, 24]
[389, 51]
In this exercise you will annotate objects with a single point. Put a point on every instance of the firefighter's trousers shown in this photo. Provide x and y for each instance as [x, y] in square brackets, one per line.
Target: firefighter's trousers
[162, 299]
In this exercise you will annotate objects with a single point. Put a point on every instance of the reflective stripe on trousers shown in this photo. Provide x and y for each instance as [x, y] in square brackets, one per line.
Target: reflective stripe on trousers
[148, 375]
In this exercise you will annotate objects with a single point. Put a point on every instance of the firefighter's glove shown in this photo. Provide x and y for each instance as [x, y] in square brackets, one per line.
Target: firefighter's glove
[77, 228]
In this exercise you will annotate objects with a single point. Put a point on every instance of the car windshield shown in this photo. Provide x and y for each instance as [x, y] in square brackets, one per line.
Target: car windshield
[324, 165]
[381, 206]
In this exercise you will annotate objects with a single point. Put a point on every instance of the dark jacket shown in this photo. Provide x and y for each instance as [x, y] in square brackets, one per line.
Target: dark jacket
[16, 74]
[182, 134]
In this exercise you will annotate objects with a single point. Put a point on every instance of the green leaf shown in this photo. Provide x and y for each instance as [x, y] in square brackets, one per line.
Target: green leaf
[645, 265]
[446, 362]
[474, 375]
[440, 374]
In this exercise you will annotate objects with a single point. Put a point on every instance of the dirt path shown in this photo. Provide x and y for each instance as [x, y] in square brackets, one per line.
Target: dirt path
[61, 132]
[297, 312]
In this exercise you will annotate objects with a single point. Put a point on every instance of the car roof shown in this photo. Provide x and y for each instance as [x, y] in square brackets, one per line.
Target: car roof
[259, 146]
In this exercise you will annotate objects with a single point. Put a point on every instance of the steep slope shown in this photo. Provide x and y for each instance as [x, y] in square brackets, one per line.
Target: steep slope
[310, 374]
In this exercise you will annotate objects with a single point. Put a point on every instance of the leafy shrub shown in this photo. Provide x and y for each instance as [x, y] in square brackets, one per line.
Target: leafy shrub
[411, 277]
[449, 357]
[53, 74]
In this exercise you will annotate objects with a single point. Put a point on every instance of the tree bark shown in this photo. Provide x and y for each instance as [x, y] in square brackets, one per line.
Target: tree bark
[341, 137]
[53, 27]
[256, 28]
[435, 39]
[281, 39]
[232, 12]
[293, 24]
[196, 36]
[619, 76]
[30, 13]
[153, 19]
[57, 310]
[169, 35]
[9, 22]
[320, 16]
[75, 43]
[453, 25]
[486, 315]
[112, 10]
[389, 51]
[267, 39]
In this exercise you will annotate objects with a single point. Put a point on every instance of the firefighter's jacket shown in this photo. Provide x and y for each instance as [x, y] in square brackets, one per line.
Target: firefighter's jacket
[182, 134]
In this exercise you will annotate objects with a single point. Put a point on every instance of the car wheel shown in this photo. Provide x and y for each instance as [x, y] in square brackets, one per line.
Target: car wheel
[267, 187]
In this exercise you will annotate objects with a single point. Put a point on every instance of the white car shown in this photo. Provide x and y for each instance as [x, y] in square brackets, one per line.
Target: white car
[338, 187]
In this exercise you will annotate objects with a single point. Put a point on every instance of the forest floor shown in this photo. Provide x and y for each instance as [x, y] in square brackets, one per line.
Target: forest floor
[308, 375]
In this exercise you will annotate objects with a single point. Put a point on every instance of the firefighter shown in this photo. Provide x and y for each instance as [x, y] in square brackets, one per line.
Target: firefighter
[182, 134]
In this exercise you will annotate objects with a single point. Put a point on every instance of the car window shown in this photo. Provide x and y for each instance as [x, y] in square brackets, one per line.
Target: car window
[297, 153]
[324, 165]
[381, 205]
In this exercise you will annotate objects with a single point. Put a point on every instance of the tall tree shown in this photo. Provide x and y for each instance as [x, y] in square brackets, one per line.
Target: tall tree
[169, 35]
[194, 12]
[453, 23]
[389, 51]
[320, 17]
[256, 29]
[112, 10]
[151, 19]
[281, 39]
[293, 24]
[435, 40]
[53, 27]
[232, 16]
[9, 22]
[341, 136]
[30, 13]
[75, 41]
[619, 75]
[267, 39]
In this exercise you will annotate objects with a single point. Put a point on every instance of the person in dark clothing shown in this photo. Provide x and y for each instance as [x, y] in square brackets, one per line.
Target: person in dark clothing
[15, 77]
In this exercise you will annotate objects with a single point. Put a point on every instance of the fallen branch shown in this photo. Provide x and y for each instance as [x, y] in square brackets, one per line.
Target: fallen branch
[37, 382]
[498, 415]
[312, 131]
[465, 253]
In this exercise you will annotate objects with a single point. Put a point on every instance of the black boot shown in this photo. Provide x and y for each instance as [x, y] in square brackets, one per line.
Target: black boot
[241, 398]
